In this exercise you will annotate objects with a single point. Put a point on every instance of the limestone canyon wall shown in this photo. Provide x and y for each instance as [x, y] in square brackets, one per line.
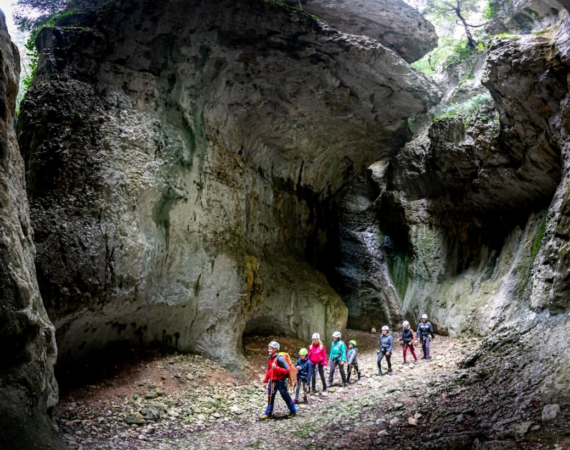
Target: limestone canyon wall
[181, 161]
[28, 391]
[468, 221]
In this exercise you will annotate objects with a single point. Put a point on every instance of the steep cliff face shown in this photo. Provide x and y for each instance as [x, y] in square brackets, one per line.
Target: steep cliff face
[470, 216]
[28, 390]
[181, 158]
[388, 21]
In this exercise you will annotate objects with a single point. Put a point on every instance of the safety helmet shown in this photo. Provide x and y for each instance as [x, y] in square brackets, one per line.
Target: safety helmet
[353, 343]
[336, 334]
[406, 324]
[385, 328]
[316, 336]
[274, 344]
[424, 316]
[303, 351]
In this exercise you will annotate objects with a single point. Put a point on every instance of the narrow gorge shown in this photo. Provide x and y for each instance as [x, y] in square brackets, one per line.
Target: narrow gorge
[191, 175]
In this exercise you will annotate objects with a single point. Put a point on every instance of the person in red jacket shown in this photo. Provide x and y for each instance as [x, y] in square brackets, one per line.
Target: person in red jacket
[318, 358]
[276, 381]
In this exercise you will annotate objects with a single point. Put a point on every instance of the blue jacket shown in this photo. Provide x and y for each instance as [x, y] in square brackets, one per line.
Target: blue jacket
[351, 356]
[306, 371]
[338, 351]
[386, 342]
[425, 330]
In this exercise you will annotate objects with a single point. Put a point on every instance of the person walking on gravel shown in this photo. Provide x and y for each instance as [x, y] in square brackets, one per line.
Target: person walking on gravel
[386, 344]
[304, 373]
[425, 334]
[318, 357]
[337, 358]
[352, 361]
[276, 381]
[408, 340]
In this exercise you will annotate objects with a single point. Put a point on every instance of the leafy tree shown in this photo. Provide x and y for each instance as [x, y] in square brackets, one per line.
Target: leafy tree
[31, 15]
[456, 10]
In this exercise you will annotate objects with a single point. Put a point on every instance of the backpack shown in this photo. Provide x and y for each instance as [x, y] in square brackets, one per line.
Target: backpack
[292, 369]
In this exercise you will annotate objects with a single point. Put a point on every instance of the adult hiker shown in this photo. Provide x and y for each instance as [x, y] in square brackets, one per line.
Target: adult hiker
[408, 339]
[425, 334]
[386, 344]
[304, 373]
[337, 358]
[276, 380]
[352, 361]
[317, 355]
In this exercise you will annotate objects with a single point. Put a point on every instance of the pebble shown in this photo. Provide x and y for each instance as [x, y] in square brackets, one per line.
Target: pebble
[412, 421]
[550, 412]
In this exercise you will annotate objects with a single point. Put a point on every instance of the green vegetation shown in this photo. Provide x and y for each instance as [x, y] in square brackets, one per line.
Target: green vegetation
[490, 10]
[466, 109]
[450, 51]
[455, 10]
[537, 242]
[30, 45]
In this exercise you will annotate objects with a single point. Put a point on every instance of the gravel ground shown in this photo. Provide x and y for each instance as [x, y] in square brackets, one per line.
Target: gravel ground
[186, 402]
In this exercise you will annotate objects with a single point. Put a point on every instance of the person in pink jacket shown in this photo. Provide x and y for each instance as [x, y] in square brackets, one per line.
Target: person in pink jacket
[318, 357]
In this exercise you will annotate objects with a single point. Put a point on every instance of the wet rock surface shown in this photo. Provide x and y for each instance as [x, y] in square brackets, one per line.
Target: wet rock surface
[28, 391]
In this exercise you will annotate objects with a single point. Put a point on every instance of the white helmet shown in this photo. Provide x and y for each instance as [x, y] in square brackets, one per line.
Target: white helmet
[406, 324]
[424, 316]
[385, 328]
[274, 344]
[316, 336]
[337, 334]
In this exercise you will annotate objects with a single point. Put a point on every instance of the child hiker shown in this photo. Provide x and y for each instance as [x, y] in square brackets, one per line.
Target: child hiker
[318, 358]
[386, 344]
[276, 381]
[304, 373]
[337, 358]
[351, 361]
[408, 340]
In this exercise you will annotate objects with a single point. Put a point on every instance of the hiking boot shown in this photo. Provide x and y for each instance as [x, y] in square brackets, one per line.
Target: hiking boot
[305, 401]
[265, 417]
[343, 385]
[379, 373]
[390, 372]
[358, 381]
[291, 415]
[415, 362]
[294, 401]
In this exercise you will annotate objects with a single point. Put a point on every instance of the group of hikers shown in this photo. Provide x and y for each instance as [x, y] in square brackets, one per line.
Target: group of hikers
[303, 374]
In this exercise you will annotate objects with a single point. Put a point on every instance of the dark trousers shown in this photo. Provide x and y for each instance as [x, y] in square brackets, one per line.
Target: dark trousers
[272, 389]
[332, 368]
[305, 385]
[350, 367]
[321, 371]
[425, 347]
[382, 354]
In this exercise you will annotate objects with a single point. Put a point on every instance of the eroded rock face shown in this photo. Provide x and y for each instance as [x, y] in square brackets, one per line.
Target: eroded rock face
[392, 22]
[28, 390]
[468, 204]
[181, 157]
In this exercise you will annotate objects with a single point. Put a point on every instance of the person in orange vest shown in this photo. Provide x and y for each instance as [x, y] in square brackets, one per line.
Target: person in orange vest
[276, 381]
